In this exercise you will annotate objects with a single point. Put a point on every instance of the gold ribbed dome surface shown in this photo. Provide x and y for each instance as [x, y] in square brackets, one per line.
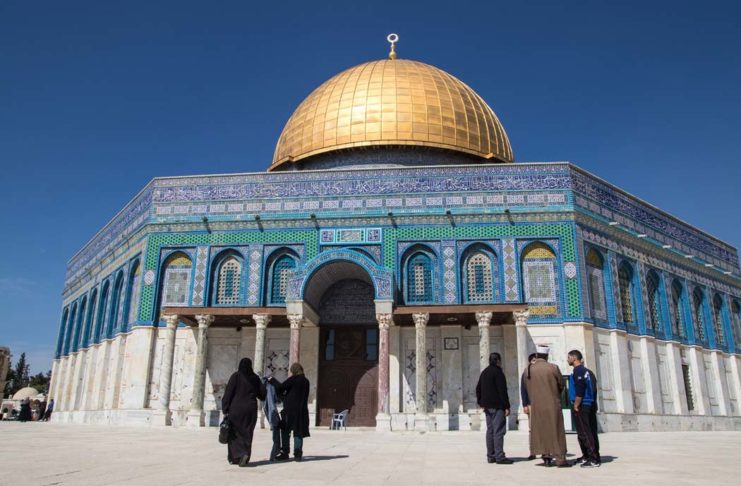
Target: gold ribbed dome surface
[392, 102]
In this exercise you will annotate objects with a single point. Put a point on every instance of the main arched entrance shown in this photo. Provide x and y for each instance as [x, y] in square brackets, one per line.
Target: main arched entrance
[348, 344]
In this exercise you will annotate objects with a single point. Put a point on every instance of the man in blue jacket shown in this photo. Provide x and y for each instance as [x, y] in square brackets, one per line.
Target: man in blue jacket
[583, 396]
[491, 395]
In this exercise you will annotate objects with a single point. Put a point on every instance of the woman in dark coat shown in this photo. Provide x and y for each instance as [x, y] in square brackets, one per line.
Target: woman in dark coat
[240, 405]
[295, 395]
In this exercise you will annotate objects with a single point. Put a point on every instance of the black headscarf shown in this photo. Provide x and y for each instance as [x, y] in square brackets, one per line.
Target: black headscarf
[245, 368]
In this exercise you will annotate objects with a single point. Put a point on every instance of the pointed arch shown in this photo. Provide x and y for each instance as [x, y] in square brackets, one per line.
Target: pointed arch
[76, 339]
[627, 291]
[720, 335]
[679, 305]
[596, 283]
[99, 320]
[176, 277]
[479, 275]
[539, 283]
[227, 278]
[113, 314]
[70, 328]
[736, 319]
[418, 279]
[132, 294]
[62, 331]
[654, 322]
[280, 264]
[698, 311]
[88, 332]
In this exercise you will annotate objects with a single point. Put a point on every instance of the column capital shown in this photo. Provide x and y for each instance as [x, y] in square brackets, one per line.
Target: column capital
[521, 317]
[484, 318]
[261, 320]
[296, 320]
[171, 320]
[385, 320]
[204, 320]
[421, 319]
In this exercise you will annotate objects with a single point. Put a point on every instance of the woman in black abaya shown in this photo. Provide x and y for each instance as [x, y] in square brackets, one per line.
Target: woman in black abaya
[240, 405]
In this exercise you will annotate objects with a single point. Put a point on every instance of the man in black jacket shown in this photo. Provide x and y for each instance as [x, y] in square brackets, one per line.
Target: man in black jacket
[491, 395]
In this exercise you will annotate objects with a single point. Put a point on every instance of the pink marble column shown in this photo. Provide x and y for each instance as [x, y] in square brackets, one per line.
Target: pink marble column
[296, 320]
[384, 322]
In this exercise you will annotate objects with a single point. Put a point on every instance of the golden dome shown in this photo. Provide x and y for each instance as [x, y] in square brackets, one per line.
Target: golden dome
[389, 103]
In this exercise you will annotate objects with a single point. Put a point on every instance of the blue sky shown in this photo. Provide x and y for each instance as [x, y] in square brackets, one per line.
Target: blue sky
[96, 98]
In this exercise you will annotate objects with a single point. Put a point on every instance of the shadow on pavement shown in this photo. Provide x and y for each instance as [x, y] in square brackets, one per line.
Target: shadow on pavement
[266, 462]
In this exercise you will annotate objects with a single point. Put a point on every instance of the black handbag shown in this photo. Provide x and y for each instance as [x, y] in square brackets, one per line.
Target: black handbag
[225, 430]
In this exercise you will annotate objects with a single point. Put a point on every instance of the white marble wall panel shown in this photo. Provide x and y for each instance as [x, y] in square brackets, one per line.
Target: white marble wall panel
[711, 382]
[605, 373]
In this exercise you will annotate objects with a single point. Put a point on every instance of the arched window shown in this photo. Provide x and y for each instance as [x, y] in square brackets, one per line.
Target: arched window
[736, 316]
[720, 336]
[697, 314]
[479, 277]
[87, 335]
[419, 279]
[101, 311]
[678, 304]
[625, 280]
[229, 281]
[176, 282]
[62, 332]
[539, 279]
[132, 294]
[70, 327]
[76, 340]
[115, 304]
[596, 278]
[280, 271]
[654, 302]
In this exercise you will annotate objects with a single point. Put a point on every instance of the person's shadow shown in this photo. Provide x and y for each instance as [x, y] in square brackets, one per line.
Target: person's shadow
[266, 462]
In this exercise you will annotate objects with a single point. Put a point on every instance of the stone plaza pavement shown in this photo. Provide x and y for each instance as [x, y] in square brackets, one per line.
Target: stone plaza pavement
[55, 454]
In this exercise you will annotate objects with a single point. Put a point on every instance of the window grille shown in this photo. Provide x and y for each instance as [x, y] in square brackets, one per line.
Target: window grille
[626, 293]
[134, 294]
[480, 281]
[688, 387]
[595, 274]
[718, 320]
[678, 303]
[699, 321]
[279, 286]
[177, 282]
[230, 276]
[654, 319]
[419, 279]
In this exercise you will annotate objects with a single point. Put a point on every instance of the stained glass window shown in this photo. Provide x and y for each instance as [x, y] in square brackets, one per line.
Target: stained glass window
[229, 285]
[654, 302]
[176, 286]
[596, 279]
[699, 321]
[539, 279]
[678, 303]
[480, 285]
[282, 269]
[91, 319]
[101, 312]
[718, 320]
[419, 279]
[115, 304]
[625, 280]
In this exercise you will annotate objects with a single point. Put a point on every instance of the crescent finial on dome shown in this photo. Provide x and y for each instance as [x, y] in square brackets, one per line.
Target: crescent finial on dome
[393, 39]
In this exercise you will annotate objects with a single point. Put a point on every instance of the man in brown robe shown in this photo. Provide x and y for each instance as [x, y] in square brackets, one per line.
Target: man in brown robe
[544, 384]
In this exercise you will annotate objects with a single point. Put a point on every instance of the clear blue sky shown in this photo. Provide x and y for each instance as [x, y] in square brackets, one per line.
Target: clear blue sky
[96, 98]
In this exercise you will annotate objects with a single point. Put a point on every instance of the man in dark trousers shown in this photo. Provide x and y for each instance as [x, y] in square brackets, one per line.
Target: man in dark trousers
[491, 395]
[583, 396]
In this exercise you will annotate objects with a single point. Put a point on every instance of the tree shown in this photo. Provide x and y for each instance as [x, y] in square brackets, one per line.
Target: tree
[40, 381]
[22, 369]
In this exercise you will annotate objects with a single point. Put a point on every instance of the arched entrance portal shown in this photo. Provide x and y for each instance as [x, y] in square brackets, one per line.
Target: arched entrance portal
[348, 344]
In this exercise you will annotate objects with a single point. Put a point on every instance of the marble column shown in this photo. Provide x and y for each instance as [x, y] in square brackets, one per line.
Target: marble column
[421, 419]
[163, 415]
[296, 321]
[484, 321]
[196, 417]
[521, 338]
[383, 418]
[261, 324]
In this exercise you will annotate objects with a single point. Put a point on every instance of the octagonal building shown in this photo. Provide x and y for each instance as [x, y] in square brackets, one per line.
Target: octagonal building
[391, 245]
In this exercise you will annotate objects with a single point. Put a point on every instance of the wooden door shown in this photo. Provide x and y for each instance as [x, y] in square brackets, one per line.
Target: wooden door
[348, 375]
